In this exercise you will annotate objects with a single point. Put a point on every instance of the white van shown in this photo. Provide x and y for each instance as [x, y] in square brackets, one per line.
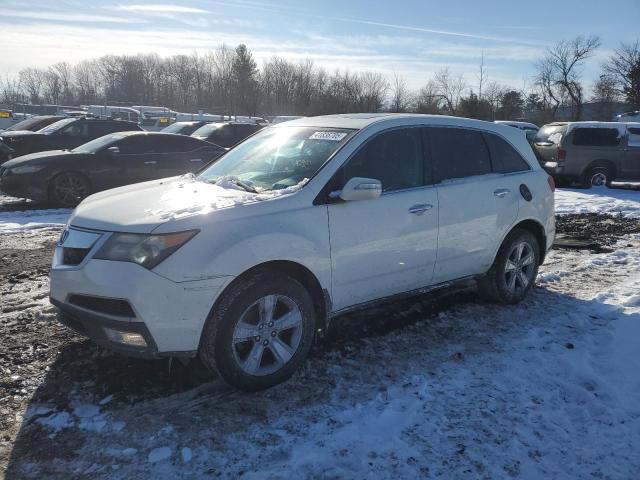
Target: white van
[117, 113]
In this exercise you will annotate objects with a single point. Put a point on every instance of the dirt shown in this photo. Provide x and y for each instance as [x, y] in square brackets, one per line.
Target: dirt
[34, 346]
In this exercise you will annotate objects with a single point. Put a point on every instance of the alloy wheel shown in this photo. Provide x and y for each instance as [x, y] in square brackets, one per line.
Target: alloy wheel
[598, 179]
[267, 335]
[520, 267]
[69, 189]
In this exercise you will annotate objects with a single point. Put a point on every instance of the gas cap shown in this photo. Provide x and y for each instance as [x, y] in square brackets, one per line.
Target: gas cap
[525, 192]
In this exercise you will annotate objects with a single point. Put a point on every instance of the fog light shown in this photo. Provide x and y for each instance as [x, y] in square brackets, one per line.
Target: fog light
[127, 338]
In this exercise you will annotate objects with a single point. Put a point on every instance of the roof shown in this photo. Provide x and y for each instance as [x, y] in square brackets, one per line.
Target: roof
[361, 120]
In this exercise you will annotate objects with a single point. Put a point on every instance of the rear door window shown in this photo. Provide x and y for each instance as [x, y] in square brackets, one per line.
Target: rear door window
[504, 157]
[458, 153]
[596, 137]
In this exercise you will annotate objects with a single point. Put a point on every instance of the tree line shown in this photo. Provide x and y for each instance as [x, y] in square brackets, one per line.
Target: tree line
[229, 81]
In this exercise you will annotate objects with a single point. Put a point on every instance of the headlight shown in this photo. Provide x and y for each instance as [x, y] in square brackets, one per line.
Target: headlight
[145, 250]
[26, 169]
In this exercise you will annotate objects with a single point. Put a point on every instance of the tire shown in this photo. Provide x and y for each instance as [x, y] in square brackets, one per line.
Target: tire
[250, 348]
[68, 189]
[597, 177]
[510, 278]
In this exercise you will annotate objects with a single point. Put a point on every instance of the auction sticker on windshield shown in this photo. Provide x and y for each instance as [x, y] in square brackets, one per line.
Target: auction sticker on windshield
[334, 136]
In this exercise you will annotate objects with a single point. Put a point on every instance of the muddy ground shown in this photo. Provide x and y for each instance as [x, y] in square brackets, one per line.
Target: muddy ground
[34, 346]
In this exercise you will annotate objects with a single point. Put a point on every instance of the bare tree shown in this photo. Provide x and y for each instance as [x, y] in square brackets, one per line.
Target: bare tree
[429, 99]
[624, 67]
[481, 76]
[562, 67]
[32, 81]
[450, 88]
[400, 97]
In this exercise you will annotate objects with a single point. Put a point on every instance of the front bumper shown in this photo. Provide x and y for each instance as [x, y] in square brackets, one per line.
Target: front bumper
[95, 326]
[168, 314]
[22, 186]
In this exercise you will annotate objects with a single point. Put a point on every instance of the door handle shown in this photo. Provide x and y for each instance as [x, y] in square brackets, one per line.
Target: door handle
[420, 208]
[195, 160]
[501, 192]
[150, 162]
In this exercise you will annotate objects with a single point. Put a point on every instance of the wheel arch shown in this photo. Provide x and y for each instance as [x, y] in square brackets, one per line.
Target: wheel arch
[59, 172]
[320, 296]
[536, 229]
[602, 162]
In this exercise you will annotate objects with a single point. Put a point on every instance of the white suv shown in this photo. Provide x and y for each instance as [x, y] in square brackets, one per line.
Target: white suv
[247, 262]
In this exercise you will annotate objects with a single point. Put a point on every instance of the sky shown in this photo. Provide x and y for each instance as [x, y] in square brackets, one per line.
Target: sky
[408, 38]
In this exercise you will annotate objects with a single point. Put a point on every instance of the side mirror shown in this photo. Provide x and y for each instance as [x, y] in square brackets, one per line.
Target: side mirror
[113, 150]
[359, 188]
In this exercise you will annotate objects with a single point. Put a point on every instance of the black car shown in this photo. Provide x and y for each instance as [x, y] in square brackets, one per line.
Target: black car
[65, 177]
[67, 133]
[33, 124]
[184, 128]
[226, 134]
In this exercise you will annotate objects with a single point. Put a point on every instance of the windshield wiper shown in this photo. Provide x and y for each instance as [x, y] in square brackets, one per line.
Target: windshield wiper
[236, 181]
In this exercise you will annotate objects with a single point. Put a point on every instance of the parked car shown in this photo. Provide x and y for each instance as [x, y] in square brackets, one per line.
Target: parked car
[529, 129]
[245, 263]
[590, 153]
[629, 117]
[183, 128]
[63, 134]
[226, 134]
[34, 124]
[6, 118]
[65, 177]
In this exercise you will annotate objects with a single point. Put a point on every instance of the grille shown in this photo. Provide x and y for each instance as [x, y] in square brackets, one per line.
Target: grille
[108, 306]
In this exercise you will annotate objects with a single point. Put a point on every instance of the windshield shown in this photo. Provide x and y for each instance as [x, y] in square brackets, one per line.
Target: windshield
[277, 158]
[98, 144]
[550, 134]
[54, 127]
[204, 131]
[185, 128]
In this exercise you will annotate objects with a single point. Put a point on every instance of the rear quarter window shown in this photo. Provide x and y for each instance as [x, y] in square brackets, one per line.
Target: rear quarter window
[550, 135]
[504, 157]
[596, 137]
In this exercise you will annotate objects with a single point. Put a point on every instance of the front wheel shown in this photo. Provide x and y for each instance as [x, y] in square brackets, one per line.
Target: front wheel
[260, 332]
[514, 269]
[68, 189]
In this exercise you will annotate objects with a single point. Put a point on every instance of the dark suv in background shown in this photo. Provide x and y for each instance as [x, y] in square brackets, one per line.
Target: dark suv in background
[589, 153]
[61, 135]
[34, 124]
[226, 134]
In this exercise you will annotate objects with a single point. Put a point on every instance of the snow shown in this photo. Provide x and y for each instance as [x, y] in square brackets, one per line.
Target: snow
[29, 220]
[187, 201]
[548, 388]
[613, 201]
[159, 454]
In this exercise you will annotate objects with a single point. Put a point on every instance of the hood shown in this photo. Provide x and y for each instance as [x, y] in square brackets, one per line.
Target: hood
[18, 133]
[38, 157]
[142, 207]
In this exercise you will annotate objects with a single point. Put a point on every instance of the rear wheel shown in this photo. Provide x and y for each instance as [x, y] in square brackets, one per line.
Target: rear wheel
[597, 177]
[68, 189]
[260, 332]
[514, 269]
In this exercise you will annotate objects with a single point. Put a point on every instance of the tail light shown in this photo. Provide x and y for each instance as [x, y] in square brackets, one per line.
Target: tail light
[562, 154]
[552, 183]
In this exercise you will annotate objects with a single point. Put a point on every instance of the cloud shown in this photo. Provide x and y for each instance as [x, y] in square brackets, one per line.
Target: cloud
[161, 8]
[66, 17]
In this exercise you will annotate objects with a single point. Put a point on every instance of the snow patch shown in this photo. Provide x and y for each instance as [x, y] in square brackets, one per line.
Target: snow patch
[611, 201]
[159, 454]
